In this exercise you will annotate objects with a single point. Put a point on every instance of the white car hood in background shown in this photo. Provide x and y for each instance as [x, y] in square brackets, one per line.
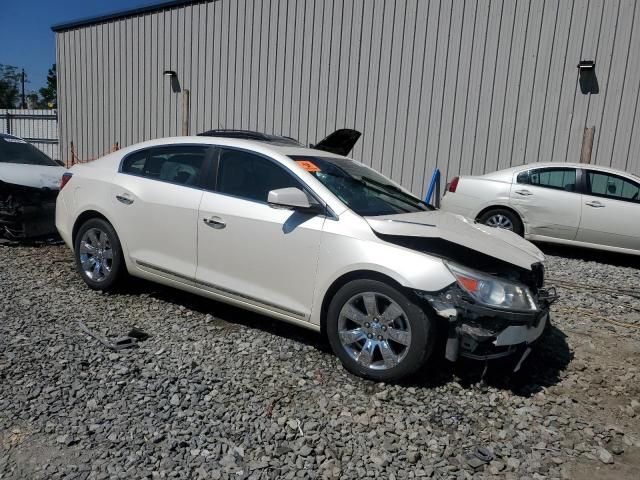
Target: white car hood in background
[491, 241]
[36, 176]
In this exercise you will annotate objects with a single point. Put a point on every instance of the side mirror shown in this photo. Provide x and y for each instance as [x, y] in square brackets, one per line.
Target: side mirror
[295, 198]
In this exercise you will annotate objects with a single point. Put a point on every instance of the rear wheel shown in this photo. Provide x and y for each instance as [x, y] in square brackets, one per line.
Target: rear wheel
[377, 332]
[502, 218]
[99, 258]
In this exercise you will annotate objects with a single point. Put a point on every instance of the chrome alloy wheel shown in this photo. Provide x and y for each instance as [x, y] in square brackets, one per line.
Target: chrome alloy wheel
[499, 221]
[374, 330]
[96, 255]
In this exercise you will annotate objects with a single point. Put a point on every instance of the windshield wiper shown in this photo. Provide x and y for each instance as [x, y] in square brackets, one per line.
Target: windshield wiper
[393, 188]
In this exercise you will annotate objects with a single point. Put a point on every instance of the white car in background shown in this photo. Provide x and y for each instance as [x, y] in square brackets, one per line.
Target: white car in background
[309, 237]
[567, 203]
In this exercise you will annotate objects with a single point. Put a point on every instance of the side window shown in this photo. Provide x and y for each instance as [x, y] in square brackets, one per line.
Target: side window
[556, 178]
[250, 176]
[180, 164]
[612, 186]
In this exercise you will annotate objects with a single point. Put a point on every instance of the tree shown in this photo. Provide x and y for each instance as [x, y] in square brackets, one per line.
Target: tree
[9, 86]
[49, 94]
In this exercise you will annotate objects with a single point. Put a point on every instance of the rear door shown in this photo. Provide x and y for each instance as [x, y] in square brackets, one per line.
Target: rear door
[548, 200]
[155, 200]
[253, 252]
[610, 211]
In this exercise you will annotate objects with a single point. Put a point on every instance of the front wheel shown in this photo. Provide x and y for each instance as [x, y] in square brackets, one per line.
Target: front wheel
[99, 258]
[377, 332]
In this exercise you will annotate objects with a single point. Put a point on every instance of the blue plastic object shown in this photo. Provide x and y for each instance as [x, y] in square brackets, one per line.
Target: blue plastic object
[435, 181]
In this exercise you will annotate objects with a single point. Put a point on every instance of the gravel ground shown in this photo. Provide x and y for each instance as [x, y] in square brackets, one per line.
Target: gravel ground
[217, 392]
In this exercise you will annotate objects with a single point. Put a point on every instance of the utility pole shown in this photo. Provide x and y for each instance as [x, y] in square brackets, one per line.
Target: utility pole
[24, 103]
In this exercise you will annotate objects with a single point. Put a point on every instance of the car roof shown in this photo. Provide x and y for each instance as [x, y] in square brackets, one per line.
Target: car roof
[267, 148]
[589, 166]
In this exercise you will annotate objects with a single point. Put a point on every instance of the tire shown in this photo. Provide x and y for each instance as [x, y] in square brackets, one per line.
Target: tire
[98, 254]
[500, 216]
[374, 342]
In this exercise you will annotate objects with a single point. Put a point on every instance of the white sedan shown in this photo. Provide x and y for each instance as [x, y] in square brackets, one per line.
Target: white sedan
[567, 203]
[308, 237]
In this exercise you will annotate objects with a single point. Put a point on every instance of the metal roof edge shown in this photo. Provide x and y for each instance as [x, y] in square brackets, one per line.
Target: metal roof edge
[84, 22]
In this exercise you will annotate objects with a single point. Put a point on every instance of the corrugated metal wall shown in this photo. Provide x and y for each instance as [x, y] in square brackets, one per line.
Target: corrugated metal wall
[468, 86]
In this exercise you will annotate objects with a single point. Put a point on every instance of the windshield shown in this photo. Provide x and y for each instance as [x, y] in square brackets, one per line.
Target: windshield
[361, 188]
[16, 150]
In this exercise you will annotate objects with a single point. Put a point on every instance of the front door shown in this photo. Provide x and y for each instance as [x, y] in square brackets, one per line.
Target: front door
[548, 200]
[610, 211]
[251, 251]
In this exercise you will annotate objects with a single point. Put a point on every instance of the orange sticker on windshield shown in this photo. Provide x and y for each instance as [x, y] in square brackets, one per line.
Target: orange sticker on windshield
[308, 166]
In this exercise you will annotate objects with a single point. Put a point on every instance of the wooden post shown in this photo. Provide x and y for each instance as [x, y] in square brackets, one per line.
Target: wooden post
[185, 112]
[587, 144]
[73, 154]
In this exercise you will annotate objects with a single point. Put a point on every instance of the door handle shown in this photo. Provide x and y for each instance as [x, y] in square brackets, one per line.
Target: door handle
[214, 222]
[594, 204]
[126, 199]
[524, 193]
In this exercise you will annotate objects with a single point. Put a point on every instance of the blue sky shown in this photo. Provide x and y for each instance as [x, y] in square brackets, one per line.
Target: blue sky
[26, 39]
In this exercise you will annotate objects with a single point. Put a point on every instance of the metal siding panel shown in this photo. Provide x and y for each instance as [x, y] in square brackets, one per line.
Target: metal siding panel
[296, 71]
[279, 64]
[569, 88]
[541, 82]
[628, 104]
[392, 93]
[216, 73]
[246, 65]
[471, 50]
[255, 59]
[415, 92]
[362, 85]
[325, 66]
[606, 74]
[305, 74]
[527, 83]
[314, 72]
[482, 70]
[272, 66]
[437, 93]
[514, 83]
[379, 162]
[199, 70]
[557, 76]
[399, 129]
[287, 61]
[237, 72]
[589, 51]
[334, 69]
[431, 48]
[263, 59]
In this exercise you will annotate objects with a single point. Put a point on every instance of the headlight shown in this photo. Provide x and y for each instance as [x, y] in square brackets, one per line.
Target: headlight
[493, 291]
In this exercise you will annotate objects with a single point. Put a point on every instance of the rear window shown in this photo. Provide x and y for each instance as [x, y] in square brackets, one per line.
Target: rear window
[179, 164]
[16, 150]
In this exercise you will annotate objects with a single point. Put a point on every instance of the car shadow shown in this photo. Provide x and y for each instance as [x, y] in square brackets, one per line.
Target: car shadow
[590, 255]
[228, 316]
[549, 357]
[543, 367]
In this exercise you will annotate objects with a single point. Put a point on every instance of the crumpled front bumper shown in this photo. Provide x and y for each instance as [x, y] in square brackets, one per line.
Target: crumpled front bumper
[484, 333]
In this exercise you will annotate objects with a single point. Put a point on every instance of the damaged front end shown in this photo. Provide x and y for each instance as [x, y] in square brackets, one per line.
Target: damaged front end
[26, 211]
[492, 315]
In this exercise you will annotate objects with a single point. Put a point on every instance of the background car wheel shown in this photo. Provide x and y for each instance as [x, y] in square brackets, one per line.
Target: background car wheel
[99, 258]
[377, 332]
[502, 218]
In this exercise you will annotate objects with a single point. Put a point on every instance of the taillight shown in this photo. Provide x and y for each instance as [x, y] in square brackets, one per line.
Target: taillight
[454, 184]
[65, 179]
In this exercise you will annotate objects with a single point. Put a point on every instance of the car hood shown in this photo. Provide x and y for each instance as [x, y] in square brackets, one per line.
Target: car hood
[35, 176]
[495, 242]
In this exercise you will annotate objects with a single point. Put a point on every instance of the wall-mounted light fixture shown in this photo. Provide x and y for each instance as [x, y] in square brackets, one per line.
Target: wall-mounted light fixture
[175, 87]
